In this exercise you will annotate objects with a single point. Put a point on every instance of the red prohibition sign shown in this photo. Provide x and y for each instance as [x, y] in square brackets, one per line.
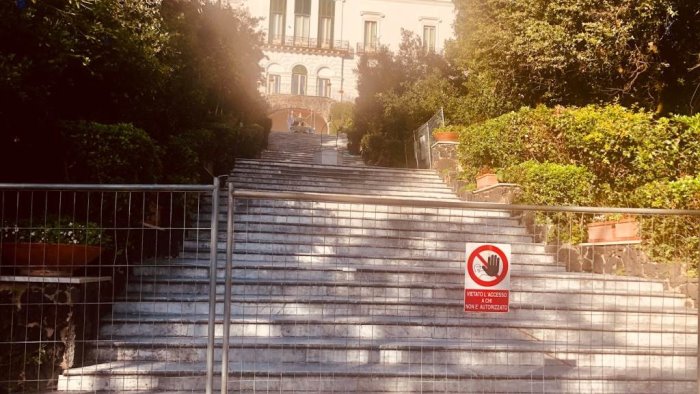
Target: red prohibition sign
[475, 254]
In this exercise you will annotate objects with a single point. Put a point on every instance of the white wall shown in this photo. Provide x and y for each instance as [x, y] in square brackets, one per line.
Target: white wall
[391, 16]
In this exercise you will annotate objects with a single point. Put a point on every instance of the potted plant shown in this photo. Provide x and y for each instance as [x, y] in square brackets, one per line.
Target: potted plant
[613, 228]
[486, 177]
[447, 134]
[52, 248]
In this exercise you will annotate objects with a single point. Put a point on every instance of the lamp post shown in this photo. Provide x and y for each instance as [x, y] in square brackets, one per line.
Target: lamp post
[342, 59]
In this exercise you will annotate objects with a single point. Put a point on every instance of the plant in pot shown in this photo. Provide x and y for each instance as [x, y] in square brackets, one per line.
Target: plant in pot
[447, 133]
[54, 247]
[486, 177]
[613, 228]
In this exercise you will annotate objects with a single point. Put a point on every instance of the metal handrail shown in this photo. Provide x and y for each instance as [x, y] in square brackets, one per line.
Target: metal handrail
[110, 187]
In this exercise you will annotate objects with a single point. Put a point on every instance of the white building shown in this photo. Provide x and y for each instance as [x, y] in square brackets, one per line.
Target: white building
[312, 46]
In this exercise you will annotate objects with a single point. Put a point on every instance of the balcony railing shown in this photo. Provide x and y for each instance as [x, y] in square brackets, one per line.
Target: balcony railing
[367, 47]
[308, 42]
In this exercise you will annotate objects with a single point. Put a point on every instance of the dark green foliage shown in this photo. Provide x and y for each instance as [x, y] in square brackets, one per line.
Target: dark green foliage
[598, 155]
[397, 93]
[624, 149]
[552, 183]
[671, 238]
[197, 155]
[577, 52]
[341, 117]
[119, 153]
[165, 67]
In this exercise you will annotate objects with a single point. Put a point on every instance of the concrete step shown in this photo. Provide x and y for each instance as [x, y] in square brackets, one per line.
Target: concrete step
[358, 328]
[360, 227]
[364, 216]
[190, 268]
[436, 352]
[333, 179]
[366, 246]
[196, 262]
[372, 378]
[284, 233]
[309, 168]
[362, 186]
[402, 292]
[461, 214]
[271, 305]
[292, 187]
[523, 262]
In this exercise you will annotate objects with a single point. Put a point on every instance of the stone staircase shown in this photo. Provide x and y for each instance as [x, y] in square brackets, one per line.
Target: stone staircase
[347, 297]
[303, 148]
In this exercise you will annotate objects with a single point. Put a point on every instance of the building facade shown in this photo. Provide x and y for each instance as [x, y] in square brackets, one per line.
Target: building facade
[312, 47]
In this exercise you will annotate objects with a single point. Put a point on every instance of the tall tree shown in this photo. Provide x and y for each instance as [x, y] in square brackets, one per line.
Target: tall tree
[579, 51]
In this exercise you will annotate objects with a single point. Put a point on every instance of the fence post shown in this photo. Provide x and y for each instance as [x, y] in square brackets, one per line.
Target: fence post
[213, 240]
[227, 289]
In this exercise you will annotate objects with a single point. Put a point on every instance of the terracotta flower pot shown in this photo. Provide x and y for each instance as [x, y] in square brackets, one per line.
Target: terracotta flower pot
[446, 136]
[47, 259]
[486, 180]
[613, 231]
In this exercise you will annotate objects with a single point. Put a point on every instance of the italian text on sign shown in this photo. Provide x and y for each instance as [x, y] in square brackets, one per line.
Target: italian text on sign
[487, 278]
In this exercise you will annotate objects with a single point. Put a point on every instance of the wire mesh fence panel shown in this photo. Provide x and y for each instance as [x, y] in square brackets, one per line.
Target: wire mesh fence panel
[340, 293]
[100, 287]
[423, 140]
[351, 294]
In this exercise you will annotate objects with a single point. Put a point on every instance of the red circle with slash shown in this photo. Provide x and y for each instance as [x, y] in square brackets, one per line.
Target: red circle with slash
[476, 254]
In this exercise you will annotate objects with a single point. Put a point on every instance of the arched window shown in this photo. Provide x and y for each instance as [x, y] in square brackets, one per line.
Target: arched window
[323, 82]
[299, 76]
[274, 78]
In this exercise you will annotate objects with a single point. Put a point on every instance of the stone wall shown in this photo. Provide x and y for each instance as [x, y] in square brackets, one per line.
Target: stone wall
[42, 329]
[625, 259]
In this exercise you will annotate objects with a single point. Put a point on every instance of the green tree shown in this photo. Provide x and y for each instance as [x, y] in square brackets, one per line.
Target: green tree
[576, 52]
[166, 67]
[397, 92]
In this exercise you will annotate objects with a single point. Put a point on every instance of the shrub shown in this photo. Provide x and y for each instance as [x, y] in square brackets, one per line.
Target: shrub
[551, 183]
[510, 139]
[623, 148]
[109, 153]
[197, 155]
[671, 238]
[381, 150]
[554, 184]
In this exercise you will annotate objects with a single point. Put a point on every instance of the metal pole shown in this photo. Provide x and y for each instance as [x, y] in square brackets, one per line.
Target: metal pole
[212, 284]
[430, 148]
[227, 289]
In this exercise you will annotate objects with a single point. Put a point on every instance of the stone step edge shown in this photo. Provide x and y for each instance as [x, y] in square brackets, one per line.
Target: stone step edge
[203, 319]
[204, 244]
[274, 163]
[315, 230]
[204, 263]
[204, 252]
[178, 280]
[515, 374]
[339, 343]
[393, 301]
[338, 178]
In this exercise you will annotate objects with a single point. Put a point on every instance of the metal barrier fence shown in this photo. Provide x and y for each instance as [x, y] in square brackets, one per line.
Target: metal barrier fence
[337, 293]
[311, 292]
[91, 281]
[423, 139]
